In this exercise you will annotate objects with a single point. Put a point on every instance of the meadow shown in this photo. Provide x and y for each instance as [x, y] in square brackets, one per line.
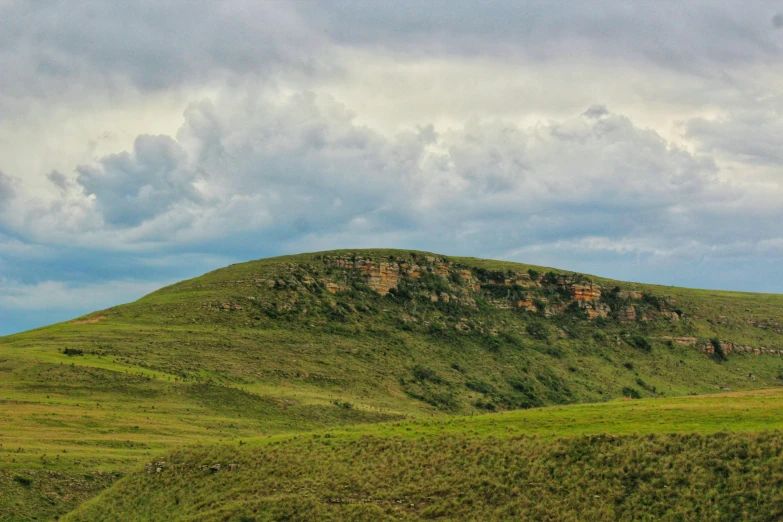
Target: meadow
[698, 458]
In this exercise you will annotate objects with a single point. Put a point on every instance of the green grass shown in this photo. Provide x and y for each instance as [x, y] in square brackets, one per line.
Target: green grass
[264, 349]
[699, 458]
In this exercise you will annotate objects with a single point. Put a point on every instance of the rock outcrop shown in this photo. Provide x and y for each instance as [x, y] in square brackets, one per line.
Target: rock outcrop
[627, 315]
[586, 292]
[381, 277]
[595, 310]
[525, 292]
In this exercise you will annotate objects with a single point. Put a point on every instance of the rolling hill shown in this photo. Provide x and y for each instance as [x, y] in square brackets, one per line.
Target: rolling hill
[699, 458]
[322, 341]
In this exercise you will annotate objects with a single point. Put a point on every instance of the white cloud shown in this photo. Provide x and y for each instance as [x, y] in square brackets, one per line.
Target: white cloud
[59, 295]
[302, 165]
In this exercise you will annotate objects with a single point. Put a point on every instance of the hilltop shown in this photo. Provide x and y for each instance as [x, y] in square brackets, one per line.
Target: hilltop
[324, 340]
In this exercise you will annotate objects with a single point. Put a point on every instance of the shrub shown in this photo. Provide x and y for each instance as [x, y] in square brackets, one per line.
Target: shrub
[511, 338]
[520, 385]
[425, 374]
[641, 342]
[485, 405]
[628, 365]
[70, 352]
[631, 392]
[492, 343]
[538, 331]
[652, 301]
[480, 386]
[554, 351]
[719, 354]
[23, 480]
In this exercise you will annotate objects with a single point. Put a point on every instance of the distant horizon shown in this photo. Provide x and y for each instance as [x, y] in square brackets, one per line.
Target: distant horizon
[642, 141]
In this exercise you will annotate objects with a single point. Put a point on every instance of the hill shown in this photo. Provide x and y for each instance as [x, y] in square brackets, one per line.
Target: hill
[700, 458]
[317, 341]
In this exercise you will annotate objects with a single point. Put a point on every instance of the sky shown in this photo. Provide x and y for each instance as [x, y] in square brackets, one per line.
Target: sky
[142, 143]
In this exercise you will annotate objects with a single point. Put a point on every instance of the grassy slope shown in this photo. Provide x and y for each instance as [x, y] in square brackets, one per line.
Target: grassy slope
[176, 367]
[698, 458]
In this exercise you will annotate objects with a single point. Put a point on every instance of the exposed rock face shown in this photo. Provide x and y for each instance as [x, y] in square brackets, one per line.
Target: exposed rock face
[527, 304]
[595, 310]
[442, 269]
[385, 276]
[467, 275]
[627, 315]
[726, 348]
[410, 270]
[682, 341]
[382, 277]
[586, 292]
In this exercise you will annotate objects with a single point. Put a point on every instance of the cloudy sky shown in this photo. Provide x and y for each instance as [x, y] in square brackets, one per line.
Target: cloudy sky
[147, 143]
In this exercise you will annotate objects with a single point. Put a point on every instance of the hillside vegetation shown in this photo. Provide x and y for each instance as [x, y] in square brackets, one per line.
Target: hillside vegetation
[325, 340]
[655, 466]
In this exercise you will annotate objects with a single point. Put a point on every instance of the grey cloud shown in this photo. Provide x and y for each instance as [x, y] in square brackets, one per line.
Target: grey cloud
[305, 167]
[752, 135]
[777, 21]
[130, 188]
[96, 45]
[59, 180]
[59, 45]
[6, 187]
[675, 35]
[596, 111]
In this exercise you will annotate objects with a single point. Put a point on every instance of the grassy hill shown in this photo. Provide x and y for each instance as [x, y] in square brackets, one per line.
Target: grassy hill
[330, 339]
[700, 458]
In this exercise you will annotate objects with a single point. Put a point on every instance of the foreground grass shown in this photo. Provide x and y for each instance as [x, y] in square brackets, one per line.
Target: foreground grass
[698, 458]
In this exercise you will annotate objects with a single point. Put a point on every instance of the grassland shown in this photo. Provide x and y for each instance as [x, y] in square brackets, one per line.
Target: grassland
[697, 458]
[265, 349]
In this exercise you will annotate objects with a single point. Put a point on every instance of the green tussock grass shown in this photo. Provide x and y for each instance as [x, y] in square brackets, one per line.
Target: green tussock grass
[700, 458]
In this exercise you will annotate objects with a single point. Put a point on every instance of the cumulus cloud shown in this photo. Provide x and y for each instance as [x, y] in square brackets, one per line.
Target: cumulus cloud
[303, 165]
[131, 187]
[287, 170]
